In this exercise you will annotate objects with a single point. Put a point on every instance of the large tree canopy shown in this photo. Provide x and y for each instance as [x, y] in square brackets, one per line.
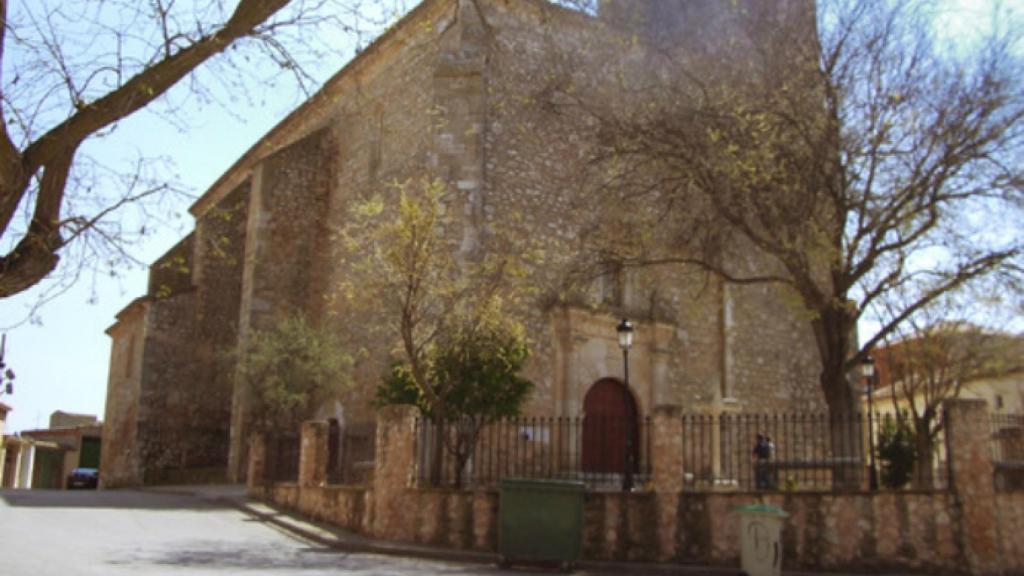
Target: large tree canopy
[857, 154]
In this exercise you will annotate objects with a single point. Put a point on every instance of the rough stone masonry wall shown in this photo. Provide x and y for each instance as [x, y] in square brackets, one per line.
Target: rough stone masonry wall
[390, 128]
[219, 256]
[166, 400]
[729, 341]
[285, 228]
[144, 398]
[885, 531]
[169, 411]
[278, 274]
[172, 273]
[119, 459]
[1010, 524]
[342, 506]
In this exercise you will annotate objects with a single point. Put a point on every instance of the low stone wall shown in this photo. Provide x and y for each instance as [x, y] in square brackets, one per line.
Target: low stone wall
[453, 519]
[617, 526]
[899, 531]
[1010, 523]
[969, 529]
[348, 507]
[189, 476]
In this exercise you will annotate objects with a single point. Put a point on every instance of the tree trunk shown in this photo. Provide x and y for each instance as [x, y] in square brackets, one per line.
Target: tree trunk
[461, 457]
[924, 475]
[845, 431]
[437, 456]
[834, 332]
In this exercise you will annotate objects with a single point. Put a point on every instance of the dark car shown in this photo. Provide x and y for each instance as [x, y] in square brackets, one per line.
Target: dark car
[83, 478]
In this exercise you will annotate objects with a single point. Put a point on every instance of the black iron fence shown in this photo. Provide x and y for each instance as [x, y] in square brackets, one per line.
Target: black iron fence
[1008, 451]
[282, 464]
[351, 452]
[815, 452]
[798, 452]
[603, 452]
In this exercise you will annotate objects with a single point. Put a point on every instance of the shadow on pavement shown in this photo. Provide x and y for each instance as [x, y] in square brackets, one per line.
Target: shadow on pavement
[105, 499]
[282, 558]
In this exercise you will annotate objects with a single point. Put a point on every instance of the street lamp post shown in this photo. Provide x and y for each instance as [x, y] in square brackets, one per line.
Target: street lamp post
[625, 331]
[6, 374]
[869, 375]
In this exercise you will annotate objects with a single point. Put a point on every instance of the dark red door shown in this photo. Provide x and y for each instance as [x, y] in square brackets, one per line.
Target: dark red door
[609, 417]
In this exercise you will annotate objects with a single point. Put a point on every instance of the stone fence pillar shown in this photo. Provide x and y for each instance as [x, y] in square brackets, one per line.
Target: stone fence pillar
[256, 480]
[968, 429]
[395, 460]
[667, 471]
[313, 454]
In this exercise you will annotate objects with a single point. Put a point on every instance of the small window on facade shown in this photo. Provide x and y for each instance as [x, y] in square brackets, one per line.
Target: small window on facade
[999, 402]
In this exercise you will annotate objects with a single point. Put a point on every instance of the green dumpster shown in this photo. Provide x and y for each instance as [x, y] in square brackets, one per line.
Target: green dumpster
[540, 521]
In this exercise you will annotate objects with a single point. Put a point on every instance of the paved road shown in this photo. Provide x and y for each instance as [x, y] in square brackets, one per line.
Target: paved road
[50, 533]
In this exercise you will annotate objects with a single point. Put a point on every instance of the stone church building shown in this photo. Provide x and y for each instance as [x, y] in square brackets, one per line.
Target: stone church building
[452, 91]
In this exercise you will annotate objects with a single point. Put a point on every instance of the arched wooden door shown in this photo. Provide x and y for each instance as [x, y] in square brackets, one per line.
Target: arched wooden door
[609, 417]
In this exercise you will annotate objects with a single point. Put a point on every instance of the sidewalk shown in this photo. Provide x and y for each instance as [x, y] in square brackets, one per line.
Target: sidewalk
[342, 540]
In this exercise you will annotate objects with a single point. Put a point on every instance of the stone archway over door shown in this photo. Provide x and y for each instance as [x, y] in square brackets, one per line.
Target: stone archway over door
[609, 417]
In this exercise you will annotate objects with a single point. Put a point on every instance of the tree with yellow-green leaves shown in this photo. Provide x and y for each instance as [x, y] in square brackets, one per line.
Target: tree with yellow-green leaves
[290, 369]
[450, 312]
[474, 370]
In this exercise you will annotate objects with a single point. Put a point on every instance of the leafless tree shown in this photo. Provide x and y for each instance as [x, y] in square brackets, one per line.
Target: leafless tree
[73, 70]
[929, 358]
[854, 152]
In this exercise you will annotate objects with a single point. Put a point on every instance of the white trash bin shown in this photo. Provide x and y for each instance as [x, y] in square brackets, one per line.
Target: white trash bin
[761, 539]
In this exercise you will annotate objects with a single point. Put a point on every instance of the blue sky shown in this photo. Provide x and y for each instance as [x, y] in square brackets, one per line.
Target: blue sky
[62, 362]
[61, 359]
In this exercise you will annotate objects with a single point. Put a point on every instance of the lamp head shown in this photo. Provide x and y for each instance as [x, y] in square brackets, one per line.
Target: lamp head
[626, 332]
[868, 367]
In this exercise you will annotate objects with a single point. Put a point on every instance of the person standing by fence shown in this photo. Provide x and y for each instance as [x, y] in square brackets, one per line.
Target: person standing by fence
[761, 456]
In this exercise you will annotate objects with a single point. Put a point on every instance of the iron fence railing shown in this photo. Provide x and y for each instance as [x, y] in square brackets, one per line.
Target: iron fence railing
[596, 450]
[351, 453]
[282, 459]
[816, 452]
[1008, 451]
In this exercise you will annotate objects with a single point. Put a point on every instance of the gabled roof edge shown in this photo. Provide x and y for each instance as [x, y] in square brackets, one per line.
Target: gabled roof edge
[209, 198]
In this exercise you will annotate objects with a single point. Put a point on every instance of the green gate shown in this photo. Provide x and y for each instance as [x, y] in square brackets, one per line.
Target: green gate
[48, 469]
[90, 455]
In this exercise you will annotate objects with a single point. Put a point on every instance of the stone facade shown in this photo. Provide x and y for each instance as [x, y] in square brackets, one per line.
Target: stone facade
[120, 464]
[450, 92]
